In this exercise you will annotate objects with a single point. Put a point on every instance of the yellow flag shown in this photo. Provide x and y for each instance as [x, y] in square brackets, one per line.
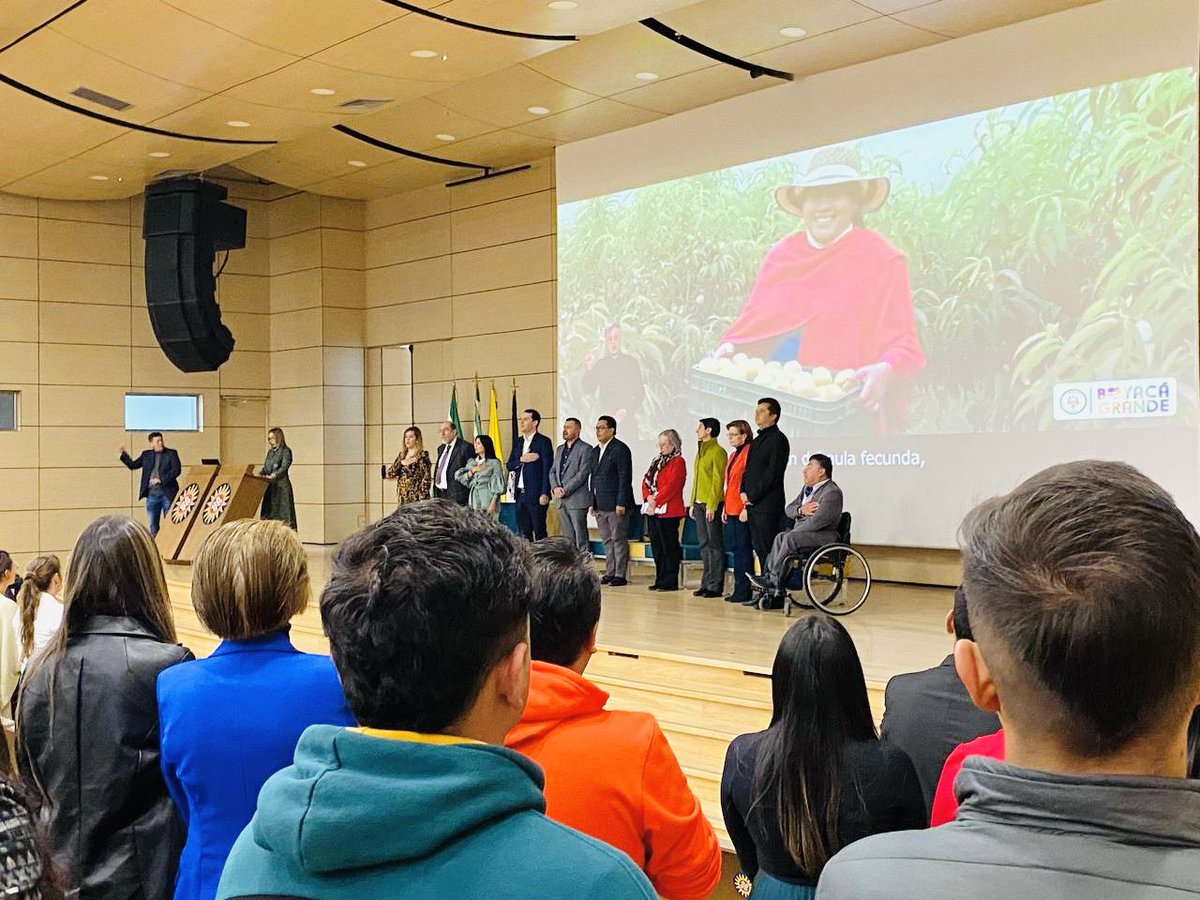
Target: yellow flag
[494, 423]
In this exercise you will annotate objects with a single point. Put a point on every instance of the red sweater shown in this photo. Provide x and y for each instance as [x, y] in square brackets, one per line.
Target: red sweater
[611, 774]
[945, 804]
[851, 299]
[670, 488]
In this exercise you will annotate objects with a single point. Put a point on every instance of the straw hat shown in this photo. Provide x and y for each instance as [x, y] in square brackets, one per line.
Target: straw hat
[835, 165]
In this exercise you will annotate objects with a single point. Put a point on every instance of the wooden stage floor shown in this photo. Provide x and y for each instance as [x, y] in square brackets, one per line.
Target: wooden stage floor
[901, 628]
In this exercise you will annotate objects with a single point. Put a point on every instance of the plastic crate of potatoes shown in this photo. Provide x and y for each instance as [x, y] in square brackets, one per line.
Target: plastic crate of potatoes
[817, 395]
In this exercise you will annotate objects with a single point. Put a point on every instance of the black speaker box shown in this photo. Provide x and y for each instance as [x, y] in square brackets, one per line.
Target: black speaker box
[184, 224]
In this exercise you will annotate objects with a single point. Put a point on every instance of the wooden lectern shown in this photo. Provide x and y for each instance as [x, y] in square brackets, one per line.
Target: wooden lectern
[209, 496]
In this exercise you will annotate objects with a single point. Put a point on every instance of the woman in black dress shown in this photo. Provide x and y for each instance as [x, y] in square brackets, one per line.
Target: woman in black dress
[278, 502]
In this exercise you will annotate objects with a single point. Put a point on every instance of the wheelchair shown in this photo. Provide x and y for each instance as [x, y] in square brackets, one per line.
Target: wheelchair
[835, 578]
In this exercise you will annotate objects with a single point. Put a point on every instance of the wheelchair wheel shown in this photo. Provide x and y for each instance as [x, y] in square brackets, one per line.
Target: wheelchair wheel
[837, 579]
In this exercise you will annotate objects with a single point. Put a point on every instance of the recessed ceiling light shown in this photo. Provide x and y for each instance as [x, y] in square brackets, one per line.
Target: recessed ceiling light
[793, 31]
[562, 4]
[323, 92]
[538, 110]
[160, 154]
[98, 177]
[425, 54]
[357, 163]
[646, 76]
[237, 123]
[445, 137]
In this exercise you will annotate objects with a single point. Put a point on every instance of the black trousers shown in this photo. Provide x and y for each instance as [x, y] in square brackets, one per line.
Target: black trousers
[664, 540]
[765, 522]
[531, 517]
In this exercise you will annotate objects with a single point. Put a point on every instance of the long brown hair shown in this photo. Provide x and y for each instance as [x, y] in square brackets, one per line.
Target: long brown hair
[418, 445]
[41, 572]
[278, 432]
[115, 570]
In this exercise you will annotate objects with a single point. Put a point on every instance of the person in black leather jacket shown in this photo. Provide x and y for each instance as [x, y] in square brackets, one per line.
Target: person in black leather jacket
[87, 723]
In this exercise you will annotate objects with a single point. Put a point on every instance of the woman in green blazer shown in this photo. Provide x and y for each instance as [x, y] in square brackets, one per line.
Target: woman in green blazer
[484, 478]
[278, 502]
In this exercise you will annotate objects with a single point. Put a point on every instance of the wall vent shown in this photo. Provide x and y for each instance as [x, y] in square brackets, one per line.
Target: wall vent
[86, 93]
[363, 103]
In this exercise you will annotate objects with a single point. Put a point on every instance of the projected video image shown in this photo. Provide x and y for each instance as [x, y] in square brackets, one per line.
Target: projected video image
[1029, 268]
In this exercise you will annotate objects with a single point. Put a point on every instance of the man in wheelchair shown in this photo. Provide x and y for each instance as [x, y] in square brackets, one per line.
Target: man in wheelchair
[816, 511]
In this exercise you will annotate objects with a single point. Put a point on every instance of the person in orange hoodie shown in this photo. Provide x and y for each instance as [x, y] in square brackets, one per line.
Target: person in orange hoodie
[610, 774]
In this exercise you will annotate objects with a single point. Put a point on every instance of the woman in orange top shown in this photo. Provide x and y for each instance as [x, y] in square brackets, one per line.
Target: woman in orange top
[662, 496]
[733, 514]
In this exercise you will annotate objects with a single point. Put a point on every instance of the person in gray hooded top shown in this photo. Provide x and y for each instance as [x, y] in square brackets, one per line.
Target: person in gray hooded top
[1083, 588]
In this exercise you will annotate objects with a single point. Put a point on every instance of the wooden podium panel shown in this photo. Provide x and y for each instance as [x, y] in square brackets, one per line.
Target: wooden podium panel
[234, 493]
[173, 528]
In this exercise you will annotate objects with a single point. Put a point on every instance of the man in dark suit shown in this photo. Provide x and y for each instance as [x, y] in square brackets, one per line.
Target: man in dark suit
[612, 499]
[160, 477]
[817, 511]
[927, 714]
[762, 483]
[569, 478]
[453, 453]
[531, 459]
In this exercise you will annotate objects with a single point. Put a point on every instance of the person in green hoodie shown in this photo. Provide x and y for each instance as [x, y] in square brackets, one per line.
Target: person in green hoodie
[427, 612]
[708, 493]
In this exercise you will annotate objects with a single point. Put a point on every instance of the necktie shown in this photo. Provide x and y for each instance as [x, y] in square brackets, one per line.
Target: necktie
[563, 465]
[808, 491]
[442, 463]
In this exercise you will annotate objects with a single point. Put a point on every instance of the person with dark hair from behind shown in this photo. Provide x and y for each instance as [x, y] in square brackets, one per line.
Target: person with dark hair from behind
[531, 459]
[1083, 586]
[612, 499]
[611, 774]
[708, 494]
[87, 723]
[927, 714]
[818, 778]
[762, 481]
[160, 477]
[427, 613]
[26, 869]
[817, 512]
[232, 720]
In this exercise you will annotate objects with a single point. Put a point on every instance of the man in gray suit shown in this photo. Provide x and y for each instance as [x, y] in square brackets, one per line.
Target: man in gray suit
[817, 511]
[569, 484]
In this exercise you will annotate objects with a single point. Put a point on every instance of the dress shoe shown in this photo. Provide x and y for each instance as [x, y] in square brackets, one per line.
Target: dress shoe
[617, 582]
[654, 587]
[762, 582]
[708, 593]
[606, 579]
[700, 593]
[737, 598]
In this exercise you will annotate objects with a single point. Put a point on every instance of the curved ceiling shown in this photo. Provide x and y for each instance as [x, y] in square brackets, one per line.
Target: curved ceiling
[284, 69]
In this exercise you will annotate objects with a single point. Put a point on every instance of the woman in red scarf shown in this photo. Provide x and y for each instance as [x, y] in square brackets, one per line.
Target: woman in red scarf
[836, 294]
[662, 505]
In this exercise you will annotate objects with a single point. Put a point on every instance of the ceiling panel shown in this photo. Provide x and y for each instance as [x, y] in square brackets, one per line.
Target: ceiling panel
[597, 117]
[58, 132]
[132, 150]
[743, 27]
[501, 148]
[211, 117]
[887, 7]
[955, 18]
[291, 88]
[535, 16]
[58, 65]
[326, 153]
[18, 18]
[402, 174]
[275, 166]
[872, 39]
[503, 98]
[298, 27]
[71, 180]
[416, 124]
[183, 49]
[694, 89]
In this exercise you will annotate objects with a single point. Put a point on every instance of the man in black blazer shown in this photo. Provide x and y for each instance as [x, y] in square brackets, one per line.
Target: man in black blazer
[531, 459]
[612, 499]
[927, 714]
[453, 453]
[160, 477]
[762, 482]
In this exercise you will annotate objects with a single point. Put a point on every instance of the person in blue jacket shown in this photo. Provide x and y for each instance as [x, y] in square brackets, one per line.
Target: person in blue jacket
[530, 459]
[427, 613]
[232, 720]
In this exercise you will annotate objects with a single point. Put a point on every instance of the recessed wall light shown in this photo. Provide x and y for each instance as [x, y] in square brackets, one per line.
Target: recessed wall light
[793, 31]
[424, 54]
[160, 154]
[323, 92]
[538, 110]
[445, 137]
[562, 4]
[237, 123]
[646, 76]
[98, 177]
[357, 163]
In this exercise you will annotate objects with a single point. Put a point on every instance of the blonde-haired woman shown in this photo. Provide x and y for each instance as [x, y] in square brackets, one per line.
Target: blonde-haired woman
[662, 505]
[412, 469]
[279, 502]
[87, 723]
[39, 611]
[232, 720]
